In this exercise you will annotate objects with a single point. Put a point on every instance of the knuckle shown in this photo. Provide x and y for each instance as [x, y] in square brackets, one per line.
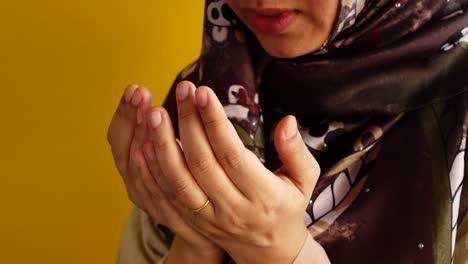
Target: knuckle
[231, 159]
[198, 222]
[269, 209]
[162, 145]
[148, 181]
[297, 148]
[214, 233]
[231, 221]
[171, 195]
[184, 115]
[133, 159]
[137, 165]
[175, 190]
[200, 164]
[182, 188]
[213, 123]
[234, 223]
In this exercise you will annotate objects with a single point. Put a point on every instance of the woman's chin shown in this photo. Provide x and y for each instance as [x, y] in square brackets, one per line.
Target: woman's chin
[282, 51]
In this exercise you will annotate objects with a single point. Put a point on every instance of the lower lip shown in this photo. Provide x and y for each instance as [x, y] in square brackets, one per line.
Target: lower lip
[273, 25]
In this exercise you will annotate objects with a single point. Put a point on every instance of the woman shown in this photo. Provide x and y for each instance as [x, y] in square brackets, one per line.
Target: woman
[378, 89]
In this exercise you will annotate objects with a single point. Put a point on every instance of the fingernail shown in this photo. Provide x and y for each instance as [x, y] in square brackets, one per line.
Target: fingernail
[155, 119]
[182, 91]
[291, 128]
[139, 117]
[202, 98]
[136, 99]
[149, 152]
[129, 93]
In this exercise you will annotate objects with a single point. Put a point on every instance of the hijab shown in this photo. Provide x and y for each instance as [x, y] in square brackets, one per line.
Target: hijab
[382, 106]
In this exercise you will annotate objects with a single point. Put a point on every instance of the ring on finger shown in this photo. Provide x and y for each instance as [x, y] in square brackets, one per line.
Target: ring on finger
[196, 210]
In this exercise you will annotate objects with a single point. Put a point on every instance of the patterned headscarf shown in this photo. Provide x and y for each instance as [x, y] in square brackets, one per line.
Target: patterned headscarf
[382, 107]
[349, 11]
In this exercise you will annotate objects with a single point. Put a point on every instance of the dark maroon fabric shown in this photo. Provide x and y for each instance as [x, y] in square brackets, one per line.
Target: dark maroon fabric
[383, 109]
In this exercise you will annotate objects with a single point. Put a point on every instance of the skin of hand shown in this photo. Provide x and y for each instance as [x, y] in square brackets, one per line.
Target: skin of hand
[254, 214]
[126, 136]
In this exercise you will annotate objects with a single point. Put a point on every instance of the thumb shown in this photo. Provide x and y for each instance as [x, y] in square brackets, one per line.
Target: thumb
[298, 163]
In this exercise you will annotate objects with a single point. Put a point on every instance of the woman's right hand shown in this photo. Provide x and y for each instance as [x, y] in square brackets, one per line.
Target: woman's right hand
[128, 138]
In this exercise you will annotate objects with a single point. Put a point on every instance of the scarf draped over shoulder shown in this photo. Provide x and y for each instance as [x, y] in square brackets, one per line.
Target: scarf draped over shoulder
[382, 106]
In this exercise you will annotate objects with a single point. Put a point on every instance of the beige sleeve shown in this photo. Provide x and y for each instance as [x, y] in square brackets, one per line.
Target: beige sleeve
[461, 246]
[142, 242]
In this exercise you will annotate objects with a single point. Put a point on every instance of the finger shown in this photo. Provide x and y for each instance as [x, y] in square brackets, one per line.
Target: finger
[147, 194]
[159, 201]
[137, 190]
[162, 208]
[144, 199]
[240, 164]
[141, 101]
[298, 163]
[197, 150]
[168, 163]
[146, 167]
[166, 213]
[121, 130]
[164, 201]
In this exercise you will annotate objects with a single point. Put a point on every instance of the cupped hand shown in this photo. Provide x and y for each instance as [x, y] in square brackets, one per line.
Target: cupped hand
[127, 135]
[254, 214]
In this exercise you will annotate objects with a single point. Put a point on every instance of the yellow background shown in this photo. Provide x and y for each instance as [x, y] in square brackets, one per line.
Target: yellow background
[63, 68]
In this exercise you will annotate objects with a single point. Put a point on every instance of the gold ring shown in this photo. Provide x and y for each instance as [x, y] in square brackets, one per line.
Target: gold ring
[196, 210]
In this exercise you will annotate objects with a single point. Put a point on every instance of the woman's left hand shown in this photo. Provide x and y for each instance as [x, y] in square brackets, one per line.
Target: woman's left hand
[254, 214]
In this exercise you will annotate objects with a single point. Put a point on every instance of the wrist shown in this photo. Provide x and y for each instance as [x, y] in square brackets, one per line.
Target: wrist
[312, 252]
[182, 252]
